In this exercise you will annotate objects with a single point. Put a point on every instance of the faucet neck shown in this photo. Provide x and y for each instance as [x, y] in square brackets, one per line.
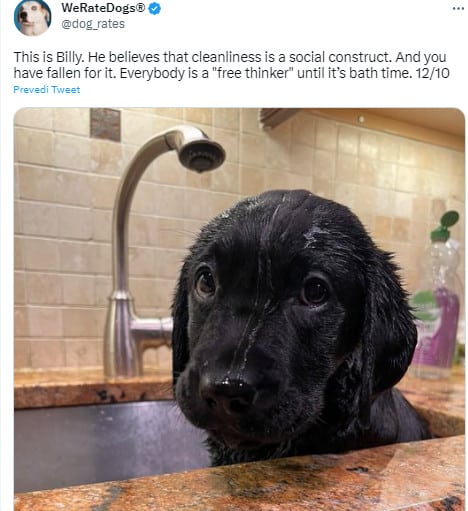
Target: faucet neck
[130, 179]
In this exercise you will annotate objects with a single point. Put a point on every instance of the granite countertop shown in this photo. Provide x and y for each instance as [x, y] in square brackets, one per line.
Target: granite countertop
[415, 476]
[69, 387]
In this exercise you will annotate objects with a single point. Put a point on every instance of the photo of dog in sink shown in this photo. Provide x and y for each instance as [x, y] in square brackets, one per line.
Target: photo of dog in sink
[232, 285]
[290, 330]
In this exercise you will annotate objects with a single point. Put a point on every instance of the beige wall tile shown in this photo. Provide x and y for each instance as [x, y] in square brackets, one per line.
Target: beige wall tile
[22, 354]
[226, 178]
[21, 322]
[303, 129]
[301, 158]
[138, 126]
[365, 202]
[75, 223]
[347, 168]
[199, 115]
[348, 140]
[47, 354]
[71, 120]
[221, 202]
[35, 118]
[74, 189]
[163, 290]
[40, 254]
[278, 155]
[345, 193]
[368, 145]
[71, 152]
[169, 171]
[382, 227]
[200, 181]
[37, 219]
[44, 322]
[164, 358]
[106, 157]
[252, 150]
[228, 118]
[169, 201]
[251, 180]
[367, 171]
[385, 175]
[230, 141]
[19, 287]
[324, 164]
[403, 204]
[101, 223]
[33, 146]
[78, 290]
[43, 288]
[142, 261]
[76, 257]
[83, 352]
[78, 322]
[104, 190]
[401, 229]
[389, 148]
[249, 121]
[102, 290]
[326, 136]
[37, 183]
[143, 230]
[171, 233]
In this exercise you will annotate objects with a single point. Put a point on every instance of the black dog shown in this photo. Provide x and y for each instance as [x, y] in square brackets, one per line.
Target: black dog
[290, 330]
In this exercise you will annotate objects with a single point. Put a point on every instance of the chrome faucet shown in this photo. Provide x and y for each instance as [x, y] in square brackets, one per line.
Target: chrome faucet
[126, 335]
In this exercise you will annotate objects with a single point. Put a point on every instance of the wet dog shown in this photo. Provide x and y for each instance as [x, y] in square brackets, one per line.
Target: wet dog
[290, 330]
[33, 18]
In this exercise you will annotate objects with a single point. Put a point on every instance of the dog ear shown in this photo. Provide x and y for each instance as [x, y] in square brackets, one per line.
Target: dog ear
[389, 333]
[46, 14]
[180, 352]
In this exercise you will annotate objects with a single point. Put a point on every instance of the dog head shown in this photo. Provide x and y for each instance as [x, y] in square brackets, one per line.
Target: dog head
[33, 18]
[284, 305]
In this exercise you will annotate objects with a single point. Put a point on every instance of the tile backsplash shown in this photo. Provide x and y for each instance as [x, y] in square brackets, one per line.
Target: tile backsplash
[66, 180]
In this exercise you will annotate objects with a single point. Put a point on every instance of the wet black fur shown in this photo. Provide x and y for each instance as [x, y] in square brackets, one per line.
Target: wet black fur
[325, 373]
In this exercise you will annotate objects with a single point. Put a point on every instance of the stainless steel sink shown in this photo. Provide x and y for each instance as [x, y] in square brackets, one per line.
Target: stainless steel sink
[58, 447]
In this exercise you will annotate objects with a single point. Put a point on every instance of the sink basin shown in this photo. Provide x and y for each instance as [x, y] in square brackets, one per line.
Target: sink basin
[58, 447]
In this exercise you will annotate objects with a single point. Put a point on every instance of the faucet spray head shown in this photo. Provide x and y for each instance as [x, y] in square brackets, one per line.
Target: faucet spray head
[196, 151]
[201, 155]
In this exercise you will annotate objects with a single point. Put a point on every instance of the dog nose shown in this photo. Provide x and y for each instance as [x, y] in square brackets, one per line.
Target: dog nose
[23, 15]
[233, 396]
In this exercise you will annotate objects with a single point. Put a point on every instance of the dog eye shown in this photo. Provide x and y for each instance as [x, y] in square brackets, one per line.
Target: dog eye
[205, 284]
[315, 292]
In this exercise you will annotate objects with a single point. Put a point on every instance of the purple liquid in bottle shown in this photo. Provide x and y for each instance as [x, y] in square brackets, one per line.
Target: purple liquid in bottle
[436, 343]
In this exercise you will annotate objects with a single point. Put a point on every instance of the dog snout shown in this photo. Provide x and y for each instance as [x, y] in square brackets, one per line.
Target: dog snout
[23, 15]
[232, 396]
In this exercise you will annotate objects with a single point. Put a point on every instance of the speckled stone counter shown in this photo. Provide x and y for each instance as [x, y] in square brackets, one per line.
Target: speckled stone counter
[416, 476]
[440, 402]
[37, 389]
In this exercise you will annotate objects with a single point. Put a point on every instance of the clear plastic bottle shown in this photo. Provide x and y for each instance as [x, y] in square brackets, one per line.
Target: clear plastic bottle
[436, 305]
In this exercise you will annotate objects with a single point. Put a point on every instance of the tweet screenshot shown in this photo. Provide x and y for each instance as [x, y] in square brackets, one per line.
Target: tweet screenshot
[232, 255]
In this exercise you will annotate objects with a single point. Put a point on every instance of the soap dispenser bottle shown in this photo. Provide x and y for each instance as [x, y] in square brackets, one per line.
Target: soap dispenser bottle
[436, 304]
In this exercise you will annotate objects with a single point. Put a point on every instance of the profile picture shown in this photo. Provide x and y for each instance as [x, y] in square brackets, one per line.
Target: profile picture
[32, 17]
